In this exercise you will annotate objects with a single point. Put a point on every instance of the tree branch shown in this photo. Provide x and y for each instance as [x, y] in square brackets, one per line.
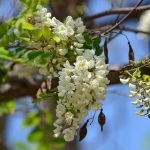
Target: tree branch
[19, 87]
[122, 20]
[124, 10]
[101, 29]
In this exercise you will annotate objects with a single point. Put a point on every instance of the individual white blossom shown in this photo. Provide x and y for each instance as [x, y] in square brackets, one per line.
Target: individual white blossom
[124, 81]
[133, 94]
[132, 86]
[81, 87]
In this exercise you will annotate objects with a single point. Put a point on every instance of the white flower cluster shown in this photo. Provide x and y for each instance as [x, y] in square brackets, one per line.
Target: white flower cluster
[141, 90]
[68, 38]
[42, 17]
[144, 23]
[80, 87]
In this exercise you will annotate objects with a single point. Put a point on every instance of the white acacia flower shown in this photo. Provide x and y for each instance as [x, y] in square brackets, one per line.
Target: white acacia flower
[124, 81]
[133, 94]
[80, 88]
[89, 54]
[62, 51]
[132, 86]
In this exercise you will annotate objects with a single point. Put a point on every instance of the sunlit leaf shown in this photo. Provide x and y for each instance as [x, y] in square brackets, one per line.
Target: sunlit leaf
[27, 26]
[96, 42]
[98, 51]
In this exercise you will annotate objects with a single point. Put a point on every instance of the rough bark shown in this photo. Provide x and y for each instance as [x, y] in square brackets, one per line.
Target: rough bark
[2, 134]
[18, 87]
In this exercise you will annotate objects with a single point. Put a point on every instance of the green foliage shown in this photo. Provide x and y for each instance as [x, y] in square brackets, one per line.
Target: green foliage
[29, 3]
[7, 107]
[88, 39]
[35, 54]
[42, 134]
[5, 54]
[98, 51]
[93, 43]
[3, 73]
[3, 29]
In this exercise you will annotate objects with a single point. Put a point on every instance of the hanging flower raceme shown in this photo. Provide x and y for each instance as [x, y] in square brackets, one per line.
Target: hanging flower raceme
[81, 87]
[139, 84]
[75, 59]
[64, 40]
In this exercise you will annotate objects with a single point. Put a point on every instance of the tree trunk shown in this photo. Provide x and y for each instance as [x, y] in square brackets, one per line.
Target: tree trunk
[2, 132]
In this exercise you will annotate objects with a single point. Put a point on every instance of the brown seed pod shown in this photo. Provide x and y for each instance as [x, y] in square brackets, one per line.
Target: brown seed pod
[83, 131]
[101, 119]
[46, 86]
[106, 52]
[131, 53]
[31, 20]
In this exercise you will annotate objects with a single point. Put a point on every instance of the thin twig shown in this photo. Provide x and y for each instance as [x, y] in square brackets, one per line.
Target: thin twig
[133, 30]
[122, 20]
[124, 10]
[120, 27]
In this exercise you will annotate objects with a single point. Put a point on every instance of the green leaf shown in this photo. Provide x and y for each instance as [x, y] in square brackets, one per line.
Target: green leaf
[43, 97]
[32, 119]
[56, 38]
[3, 51]
[88, 39]
[37, 34]
[96, 42]
[34, 54]
[20, 60]
[146, 77]
[46, 33]
[27, 26]
[3, 29]
[7, 107]
[4, 41]
[3, 73]
[87, 46]
[26, 39]
[46, 54]
[98, 51]
[5, 57]
[12, 37]
[137, 73]
[59, 142]
[35, 135]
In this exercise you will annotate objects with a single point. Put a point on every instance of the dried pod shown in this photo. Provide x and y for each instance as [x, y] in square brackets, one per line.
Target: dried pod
[131, 53]
[83, 131]
[101, 119]
[31, 20]
[46, 86]
[106, 52]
